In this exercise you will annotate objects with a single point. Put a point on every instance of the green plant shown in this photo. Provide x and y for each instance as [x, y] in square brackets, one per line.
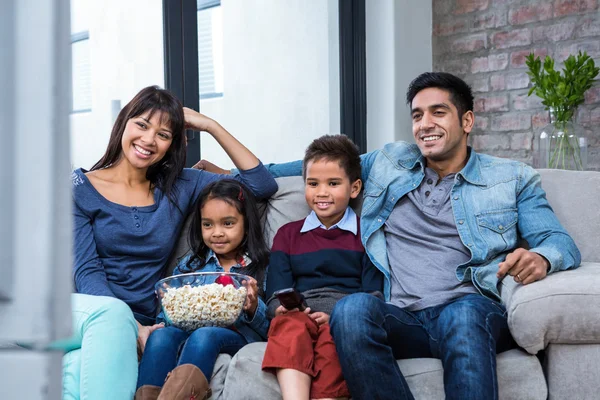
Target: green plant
[563, 92]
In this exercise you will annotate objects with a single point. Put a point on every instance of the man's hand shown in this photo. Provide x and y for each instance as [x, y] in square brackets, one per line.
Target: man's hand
[251, 297]
[320, 317]
[144, 333]
[282, 310]
[210, 167]
[525, 266]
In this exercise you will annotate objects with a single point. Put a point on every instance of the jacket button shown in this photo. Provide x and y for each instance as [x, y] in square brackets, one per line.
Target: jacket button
[461, 222]
[137, 225]
[455, 197]
[500, 227]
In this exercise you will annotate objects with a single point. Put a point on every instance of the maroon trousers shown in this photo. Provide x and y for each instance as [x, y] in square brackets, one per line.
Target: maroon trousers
[297, 342]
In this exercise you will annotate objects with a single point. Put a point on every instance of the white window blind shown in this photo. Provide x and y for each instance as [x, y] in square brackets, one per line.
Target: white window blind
[81, 68]
[209, 49]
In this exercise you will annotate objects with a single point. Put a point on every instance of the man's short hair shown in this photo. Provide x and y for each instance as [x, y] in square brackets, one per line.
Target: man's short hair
[460, 92]
[334, 148]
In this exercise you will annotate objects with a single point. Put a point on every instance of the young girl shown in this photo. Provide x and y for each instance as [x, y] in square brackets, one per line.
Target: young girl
[225, 235]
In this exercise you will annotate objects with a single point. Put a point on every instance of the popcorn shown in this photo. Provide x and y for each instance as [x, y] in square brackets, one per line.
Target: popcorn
[192, 307]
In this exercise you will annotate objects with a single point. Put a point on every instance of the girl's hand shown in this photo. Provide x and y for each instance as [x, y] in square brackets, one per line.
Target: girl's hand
[251, 297]
[144, 333]
[282, 310]
[320, 317]
[196, 121]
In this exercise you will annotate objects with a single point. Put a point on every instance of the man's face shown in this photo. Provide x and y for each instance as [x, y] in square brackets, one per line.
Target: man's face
[436, 126]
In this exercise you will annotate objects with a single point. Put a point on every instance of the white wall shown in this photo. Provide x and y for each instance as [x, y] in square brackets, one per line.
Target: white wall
[281, 77]
[398, 49]
[126, 50]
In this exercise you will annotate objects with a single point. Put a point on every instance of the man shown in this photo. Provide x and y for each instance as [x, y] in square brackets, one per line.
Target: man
[443, 224]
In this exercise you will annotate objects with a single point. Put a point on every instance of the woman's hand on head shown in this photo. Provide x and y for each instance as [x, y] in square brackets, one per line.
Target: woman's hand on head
[196, 121]
[251, 296]
[144, 333]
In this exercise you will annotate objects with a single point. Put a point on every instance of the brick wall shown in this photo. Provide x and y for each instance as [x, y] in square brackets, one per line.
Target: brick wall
[486, 41]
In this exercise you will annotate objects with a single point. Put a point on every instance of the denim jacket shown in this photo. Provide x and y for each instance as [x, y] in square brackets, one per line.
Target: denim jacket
[253, 330]
[496, 202]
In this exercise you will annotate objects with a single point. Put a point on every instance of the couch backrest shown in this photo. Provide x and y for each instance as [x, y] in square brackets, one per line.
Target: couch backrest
[573, 195]
[575, 199]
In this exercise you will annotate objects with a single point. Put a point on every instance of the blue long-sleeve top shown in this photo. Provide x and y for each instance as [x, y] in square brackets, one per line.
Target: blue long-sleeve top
[122, 251]
[253, 329]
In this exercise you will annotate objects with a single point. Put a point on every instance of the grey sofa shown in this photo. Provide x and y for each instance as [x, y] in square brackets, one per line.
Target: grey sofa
[558, 316]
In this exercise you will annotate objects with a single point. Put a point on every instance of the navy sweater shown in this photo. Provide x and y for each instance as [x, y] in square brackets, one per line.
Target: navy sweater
[123, 251]
[334, 259]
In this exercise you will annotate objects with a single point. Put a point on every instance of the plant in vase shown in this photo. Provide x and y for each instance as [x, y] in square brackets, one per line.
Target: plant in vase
[561, 144]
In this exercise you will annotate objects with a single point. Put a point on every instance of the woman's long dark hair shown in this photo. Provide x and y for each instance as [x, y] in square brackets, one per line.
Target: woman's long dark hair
[152, 99]
[253, 244]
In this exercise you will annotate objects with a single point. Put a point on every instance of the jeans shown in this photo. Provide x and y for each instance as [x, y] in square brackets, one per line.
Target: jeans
[465, 334]
[101, 356]
[200, 347]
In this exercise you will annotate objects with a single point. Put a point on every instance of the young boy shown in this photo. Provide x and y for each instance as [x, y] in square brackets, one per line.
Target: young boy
[322, 257]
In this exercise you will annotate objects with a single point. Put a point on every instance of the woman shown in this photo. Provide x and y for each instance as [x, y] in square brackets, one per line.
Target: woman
[128, 212]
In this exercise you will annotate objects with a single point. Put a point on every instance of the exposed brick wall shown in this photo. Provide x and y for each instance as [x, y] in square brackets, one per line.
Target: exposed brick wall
[486, 41]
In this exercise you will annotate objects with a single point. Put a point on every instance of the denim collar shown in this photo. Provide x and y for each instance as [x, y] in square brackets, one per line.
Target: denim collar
[347, 223]
[244, 261]
[471, 172]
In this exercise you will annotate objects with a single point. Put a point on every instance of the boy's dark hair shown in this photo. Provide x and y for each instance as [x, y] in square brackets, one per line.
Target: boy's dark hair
[334, 148]
[164, 174]
[235, 194]
[460, 93]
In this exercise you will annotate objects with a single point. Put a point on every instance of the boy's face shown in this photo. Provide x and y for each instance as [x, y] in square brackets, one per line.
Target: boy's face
[328, 190]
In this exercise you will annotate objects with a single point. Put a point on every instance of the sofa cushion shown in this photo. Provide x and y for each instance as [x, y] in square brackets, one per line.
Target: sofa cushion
[286, 205]
[562, 308]
[575, 199]
[520, 376]
[217, 381]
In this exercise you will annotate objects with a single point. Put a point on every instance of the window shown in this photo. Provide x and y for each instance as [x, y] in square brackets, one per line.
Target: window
[210, 48]
[81, 72]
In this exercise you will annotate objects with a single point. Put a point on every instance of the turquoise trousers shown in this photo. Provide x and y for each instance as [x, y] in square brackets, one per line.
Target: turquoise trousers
[101, 357]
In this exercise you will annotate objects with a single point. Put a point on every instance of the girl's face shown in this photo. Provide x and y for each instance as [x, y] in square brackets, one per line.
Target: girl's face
[222, 228]
[146, 140]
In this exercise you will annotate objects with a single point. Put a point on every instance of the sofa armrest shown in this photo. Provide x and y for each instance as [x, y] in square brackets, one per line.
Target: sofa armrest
[562, 308]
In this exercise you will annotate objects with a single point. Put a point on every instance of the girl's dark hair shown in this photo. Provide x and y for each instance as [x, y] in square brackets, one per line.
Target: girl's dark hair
[152, 99]
[235, 194]
[460, 92]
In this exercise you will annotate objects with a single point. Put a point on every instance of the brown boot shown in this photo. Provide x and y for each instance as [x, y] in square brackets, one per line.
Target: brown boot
[147, 392]
[186, 382]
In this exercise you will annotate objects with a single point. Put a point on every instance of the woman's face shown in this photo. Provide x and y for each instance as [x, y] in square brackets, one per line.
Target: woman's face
[146, 140]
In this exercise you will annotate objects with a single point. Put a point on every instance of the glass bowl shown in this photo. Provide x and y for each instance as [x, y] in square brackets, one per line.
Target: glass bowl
[198, 299]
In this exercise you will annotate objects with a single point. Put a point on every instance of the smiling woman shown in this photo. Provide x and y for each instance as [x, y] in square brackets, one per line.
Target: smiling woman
[128, 211]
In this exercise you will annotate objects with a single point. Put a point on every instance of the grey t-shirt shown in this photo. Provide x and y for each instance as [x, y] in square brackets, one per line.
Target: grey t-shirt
[424, 247]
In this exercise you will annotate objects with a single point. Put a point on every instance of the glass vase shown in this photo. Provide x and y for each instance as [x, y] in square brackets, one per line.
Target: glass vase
[561, 144]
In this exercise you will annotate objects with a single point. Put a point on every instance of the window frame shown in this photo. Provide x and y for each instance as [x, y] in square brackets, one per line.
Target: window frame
[181, 65]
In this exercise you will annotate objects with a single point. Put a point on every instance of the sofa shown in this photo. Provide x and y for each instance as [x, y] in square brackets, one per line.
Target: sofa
[555, 322]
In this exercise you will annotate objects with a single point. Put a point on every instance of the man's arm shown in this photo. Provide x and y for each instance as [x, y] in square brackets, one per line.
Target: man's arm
[551, 247]
[292, 168]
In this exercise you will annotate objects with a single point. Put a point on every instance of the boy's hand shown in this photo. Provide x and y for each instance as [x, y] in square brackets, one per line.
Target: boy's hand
[251, 296]
[282, 310]
[320, 317]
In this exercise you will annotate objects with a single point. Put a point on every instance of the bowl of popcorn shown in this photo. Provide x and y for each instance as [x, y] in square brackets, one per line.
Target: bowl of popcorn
[198, 299]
